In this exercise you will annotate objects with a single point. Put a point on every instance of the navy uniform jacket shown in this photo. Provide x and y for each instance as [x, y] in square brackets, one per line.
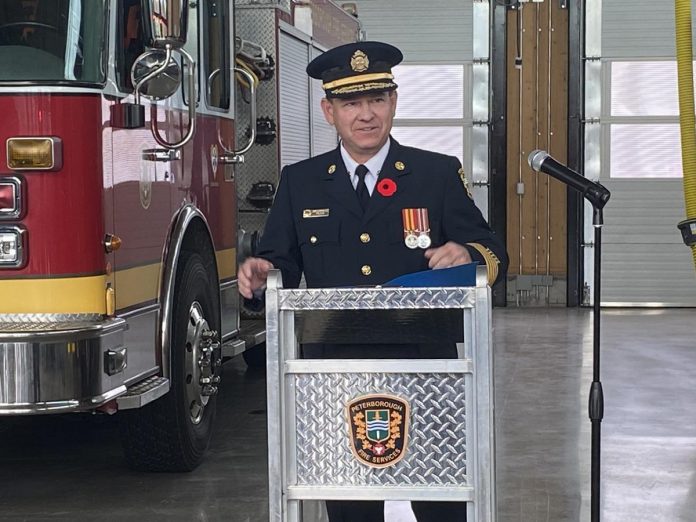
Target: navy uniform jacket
[317, 227]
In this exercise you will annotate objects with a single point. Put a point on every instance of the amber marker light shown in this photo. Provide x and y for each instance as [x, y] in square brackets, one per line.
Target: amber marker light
[111, 243]
[34, 153]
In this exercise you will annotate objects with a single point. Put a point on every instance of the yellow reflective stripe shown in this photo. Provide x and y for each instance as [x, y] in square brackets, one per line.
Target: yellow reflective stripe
[67, 295]
[226, 262]
[491, 260]
[135, 285]
[77, 295]
[358, 78]
[141, 284]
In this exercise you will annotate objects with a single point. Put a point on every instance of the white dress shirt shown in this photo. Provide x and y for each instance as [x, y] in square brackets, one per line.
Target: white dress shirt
[374, 166]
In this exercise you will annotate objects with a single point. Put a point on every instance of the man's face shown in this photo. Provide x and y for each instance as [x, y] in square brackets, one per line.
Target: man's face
[362, 122]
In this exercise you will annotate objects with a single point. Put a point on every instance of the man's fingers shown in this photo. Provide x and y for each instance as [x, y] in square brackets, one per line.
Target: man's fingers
[252, 275]
[244, 288]
[441, 261]
[448, 255]
[265, 266]
[437, 256]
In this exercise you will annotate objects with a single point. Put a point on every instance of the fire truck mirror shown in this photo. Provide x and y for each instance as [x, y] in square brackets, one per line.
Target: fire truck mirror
[162, 85]
[165, 23]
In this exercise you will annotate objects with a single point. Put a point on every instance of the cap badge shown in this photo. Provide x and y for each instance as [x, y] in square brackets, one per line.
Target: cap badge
[359, 62]
[399, 165]
[332, 169]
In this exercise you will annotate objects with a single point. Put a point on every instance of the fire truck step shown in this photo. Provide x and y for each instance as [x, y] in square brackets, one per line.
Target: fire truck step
[144, 392]
[252, 333]
[233, 347]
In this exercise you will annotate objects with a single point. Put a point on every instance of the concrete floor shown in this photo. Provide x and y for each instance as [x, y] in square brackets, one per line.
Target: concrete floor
[69, 468]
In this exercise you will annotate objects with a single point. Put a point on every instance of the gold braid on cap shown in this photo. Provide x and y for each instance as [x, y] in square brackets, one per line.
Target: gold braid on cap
[358, 78]
[491, 260]
[349, 89]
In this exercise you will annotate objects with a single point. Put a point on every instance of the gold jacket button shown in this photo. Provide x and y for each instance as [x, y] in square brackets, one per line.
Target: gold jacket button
[365, 237]
[366, 270]
[313, 239]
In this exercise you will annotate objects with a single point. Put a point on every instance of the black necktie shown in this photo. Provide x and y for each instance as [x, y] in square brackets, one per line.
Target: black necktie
[361, 189]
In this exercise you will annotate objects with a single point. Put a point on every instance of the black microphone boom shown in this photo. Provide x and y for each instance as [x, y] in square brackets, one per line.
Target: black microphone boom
[595, 193]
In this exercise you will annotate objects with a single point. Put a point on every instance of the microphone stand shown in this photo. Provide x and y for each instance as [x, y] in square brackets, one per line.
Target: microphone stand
[596, 401]
[598, 196]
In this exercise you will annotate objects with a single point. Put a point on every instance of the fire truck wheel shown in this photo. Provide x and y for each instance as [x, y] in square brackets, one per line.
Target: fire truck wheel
[173, 432]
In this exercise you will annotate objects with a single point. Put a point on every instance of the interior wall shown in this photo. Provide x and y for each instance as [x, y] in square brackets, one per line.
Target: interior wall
[537, 96]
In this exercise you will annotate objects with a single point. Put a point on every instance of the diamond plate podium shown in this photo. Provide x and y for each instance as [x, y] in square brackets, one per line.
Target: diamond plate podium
[450, 449]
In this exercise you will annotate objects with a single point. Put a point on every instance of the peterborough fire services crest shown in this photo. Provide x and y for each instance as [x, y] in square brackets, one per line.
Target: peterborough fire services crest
[378, 429]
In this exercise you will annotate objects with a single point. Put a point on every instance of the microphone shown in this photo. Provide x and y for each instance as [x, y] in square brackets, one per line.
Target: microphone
[595, 193]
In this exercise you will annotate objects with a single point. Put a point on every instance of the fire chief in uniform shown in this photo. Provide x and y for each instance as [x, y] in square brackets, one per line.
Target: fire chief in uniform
[369, 211]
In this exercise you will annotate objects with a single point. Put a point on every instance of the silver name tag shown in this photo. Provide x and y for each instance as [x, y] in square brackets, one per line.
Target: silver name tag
[315, 213]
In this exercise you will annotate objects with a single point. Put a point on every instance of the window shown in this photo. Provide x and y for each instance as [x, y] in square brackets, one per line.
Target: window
[644, 137]
[129, 43]
[445, 140]
[431, 113]
[53, 41]
[430, 91]
[645, 151]
[216, 34]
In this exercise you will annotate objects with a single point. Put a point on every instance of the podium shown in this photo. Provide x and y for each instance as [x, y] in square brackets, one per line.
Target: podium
[326, 417]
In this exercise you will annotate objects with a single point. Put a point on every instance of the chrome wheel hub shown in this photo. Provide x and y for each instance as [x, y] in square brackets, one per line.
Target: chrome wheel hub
[200, 363]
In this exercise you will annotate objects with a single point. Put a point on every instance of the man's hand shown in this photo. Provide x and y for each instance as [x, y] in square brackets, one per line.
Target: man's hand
[448, 255]
[252, 275]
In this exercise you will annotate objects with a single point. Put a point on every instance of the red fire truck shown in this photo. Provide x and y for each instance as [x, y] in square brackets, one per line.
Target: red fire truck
[123, 188]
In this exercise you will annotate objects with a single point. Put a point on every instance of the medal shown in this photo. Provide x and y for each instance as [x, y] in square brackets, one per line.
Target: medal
[416, 227]
[411, 241]
[424, 241]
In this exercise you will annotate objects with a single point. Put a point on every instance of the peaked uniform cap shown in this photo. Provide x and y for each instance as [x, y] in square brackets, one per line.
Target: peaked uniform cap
[356, 68]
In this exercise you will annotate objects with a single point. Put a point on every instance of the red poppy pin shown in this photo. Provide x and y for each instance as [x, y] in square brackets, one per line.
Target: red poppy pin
[386, 187]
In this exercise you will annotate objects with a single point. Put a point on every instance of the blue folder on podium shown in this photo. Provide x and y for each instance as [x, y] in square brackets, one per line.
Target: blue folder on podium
[462, 275]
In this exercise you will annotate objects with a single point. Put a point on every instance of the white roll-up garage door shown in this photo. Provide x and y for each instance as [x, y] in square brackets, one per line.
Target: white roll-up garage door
[294, 85]
[324, 136]
[443, 95]
[637, 138]
[303, 129]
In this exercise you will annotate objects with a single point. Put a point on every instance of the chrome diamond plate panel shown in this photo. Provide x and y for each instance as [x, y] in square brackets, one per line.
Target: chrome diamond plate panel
[376, 298]
[49, 318]
[47, 322]
[261, 164]
[436, 452]
[282, 4]
[147, 385]
[256, 25]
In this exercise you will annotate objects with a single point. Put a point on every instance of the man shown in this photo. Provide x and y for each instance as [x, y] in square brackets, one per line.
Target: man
[367, 212]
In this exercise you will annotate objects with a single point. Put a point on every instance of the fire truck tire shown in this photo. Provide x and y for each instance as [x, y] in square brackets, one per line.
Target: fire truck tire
[255, 357]
[173, 432]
